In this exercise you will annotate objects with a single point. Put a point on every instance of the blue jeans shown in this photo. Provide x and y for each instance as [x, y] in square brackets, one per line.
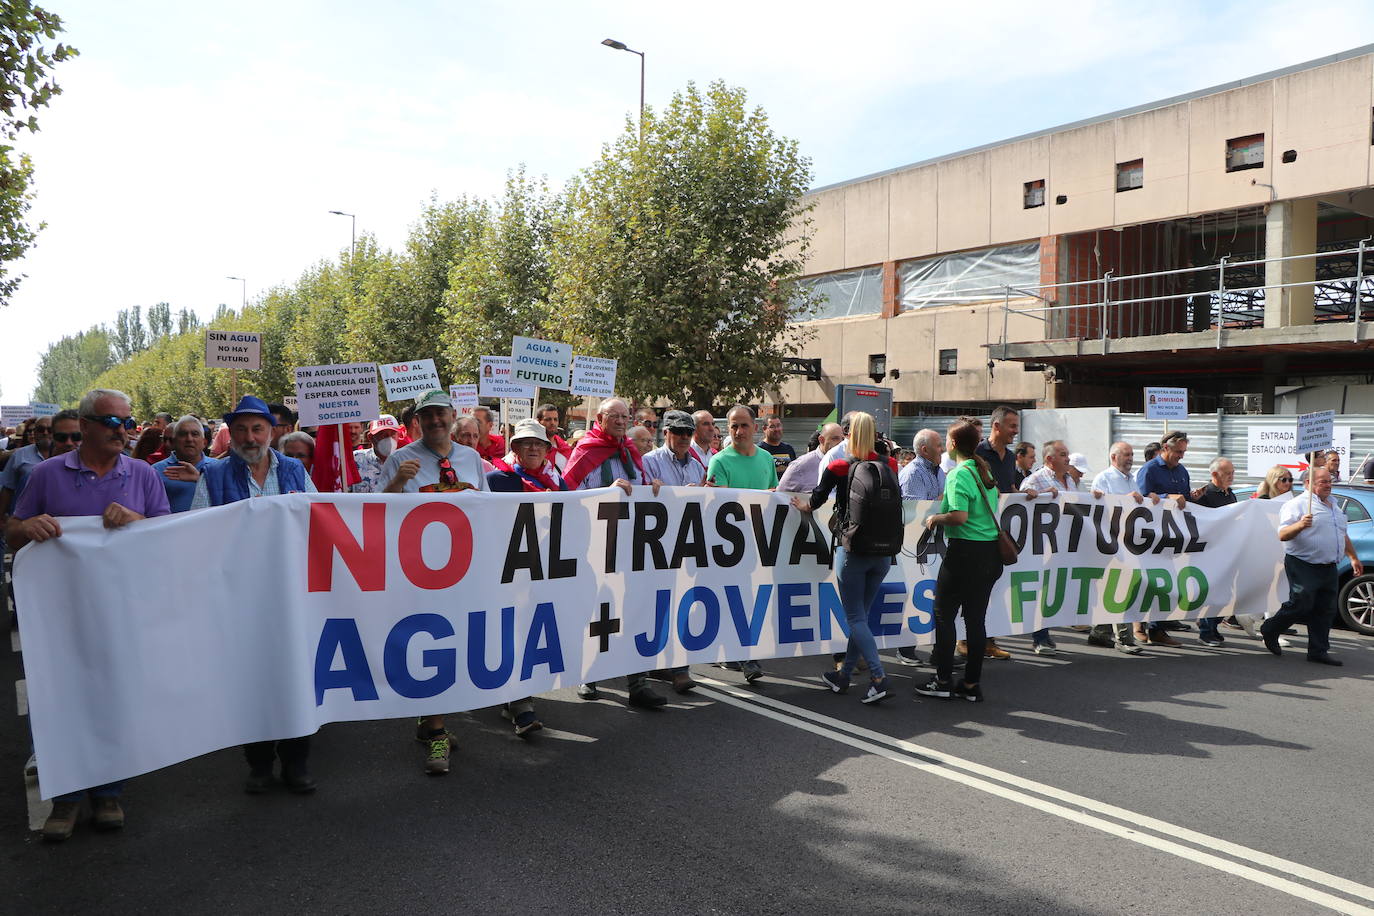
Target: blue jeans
[1040, 636]
[1207, 625]
[109, 790]
[859, 575]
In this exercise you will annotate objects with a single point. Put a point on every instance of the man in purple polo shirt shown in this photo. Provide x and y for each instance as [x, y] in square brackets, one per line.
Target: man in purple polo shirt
[96, 479]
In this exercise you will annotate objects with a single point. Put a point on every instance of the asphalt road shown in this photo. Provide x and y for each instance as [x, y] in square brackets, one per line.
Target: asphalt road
[1183, 781]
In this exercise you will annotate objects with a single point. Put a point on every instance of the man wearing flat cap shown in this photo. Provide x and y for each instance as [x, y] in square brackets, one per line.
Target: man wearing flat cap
[252, 468]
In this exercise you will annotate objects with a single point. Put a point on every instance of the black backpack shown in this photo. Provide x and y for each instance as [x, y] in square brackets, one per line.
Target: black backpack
[873, 521]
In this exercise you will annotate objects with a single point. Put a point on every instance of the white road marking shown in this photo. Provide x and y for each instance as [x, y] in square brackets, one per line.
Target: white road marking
[21, 693]
[1015, 788]
[560, 735]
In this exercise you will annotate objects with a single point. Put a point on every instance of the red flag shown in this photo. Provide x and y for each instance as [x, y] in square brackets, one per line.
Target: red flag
[325, 471]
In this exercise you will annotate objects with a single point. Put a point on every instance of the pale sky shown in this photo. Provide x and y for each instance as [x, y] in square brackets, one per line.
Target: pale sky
[197, 141]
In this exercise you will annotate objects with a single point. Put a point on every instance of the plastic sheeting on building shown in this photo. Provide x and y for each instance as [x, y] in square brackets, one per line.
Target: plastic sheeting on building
[967, 276]
[851, 292]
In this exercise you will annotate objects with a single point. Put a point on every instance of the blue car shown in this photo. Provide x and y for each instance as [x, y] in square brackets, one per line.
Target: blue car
[1356, 602]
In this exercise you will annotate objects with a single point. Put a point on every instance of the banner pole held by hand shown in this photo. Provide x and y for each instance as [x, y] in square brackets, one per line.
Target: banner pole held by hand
[343, 462]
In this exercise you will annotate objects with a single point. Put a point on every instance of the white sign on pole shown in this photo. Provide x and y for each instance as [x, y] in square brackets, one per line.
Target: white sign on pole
[593, 377]
[43, 410]
[14, 414]
[1267, 446]
[463, 396]
[1166, 403]
[290, 403]
[337, 394]
[516, 409]
[541, 363]
[407, 381]
[1316, 430]
[495, 380]
[233, 350]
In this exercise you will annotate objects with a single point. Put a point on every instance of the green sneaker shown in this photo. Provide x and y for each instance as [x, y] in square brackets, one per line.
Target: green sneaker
[440, 746]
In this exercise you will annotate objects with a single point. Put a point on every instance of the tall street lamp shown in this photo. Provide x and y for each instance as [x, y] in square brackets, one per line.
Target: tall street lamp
[245, 289]
[621, 46]
[352, 241]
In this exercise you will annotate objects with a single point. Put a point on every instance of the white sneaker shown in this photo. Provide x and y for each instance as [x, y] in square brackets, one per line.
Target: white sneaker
[1044, 648]
[1284, 641]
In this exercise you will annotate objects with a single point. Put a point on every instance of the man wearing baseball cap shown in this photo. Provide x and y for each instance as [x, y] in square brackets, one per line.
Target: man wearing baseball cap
[252, 469]
[434, 463]
[383, 435]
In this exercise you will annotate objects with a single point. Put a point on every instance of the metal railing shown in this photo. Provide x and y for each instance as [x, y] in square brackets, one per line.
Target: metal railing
[1228, 295]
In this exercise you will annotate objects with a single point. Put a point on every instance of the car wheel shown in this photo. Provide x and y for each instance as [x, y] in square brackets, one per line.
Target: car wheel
[1357, 604]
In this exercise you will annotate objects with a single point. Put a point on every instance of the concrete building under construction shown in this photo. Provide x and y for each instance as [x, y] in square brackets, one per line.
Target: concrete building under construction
[1218, 241]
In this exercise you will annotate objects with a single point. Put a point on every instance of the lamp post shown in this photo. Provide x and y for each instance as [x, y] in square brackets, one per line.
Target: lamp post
[621, 46]
[352, 241]
[244, 304]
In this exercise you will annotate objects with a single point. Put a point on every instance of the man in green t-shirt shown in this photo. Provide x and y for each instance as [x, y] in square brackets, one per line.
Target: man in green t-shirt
[742, 465]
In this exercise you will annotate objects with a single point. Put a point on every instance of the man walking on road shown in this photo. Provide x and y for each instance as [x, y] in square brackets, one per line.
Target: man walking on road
[999, 453]
[95, 479]
[1313, 543]
[1214, 495]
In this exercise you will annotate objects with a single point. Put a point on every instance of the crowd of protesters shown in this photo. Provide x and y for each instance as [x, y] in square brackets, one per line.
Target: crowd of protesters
[98, 460]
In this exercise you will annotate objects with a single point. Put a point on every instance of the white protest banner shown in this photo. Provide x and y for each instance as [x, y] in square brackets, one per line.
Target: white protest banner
[290, 402]
[1166, 403]
[233, 350]
[593, 377]
[349, 607]
[14, 414]
[43, 410]
[337, 394]
[1316, 430]
[1267, 446]
[407, 381]
[495, 380]
[464, 397]
[541, 363]
[513, 410]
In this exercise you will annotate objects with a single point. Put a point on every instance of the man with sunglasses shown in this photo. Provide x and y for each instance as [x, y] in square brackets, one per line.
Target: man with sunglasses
[434, 463]
[96, 478]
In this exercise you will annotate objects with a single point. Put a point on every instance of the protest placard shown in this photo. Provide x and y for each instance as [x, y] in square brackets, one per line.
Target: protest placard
[14, 414]
[495, 380]
[407, 381]
[1166, 403]
[464, 397]
[43, 410]
[1267, 446]
[541, 363]
[593, 377]
[233, 349]
[1316, 430]
[513, 410]
[337, 394]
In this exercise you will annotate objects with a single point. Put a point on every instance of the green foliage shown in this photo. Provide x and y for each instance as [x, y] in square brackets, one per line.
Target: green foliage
[674, 255]
[70, 367]
[26, 85]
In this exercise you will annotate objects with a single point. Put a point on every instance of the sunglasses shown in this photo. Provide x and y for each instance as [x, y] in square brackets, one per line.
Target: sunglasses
[647, 424]
[1285, 480]
[112, 421]
[447, 475]
[66, 437]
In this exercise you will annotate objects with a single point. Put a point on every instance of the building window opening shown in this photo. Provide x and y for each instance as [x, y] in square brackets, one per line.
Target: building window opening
[1034, 194]
[949, 362]
[1130, 175]
[1245, 153]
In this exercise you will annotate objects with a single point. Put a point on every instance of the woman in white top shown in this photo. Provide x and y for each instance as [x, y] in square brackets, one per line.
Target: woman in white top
[1277, 484]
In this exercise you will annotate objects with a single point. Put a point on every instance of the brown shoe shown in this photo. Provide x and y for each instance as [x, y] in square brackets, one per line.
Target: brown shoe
[108, 815]
[992, 650]
[1140, 634]
[1162, 638]
[682, 682]
[62, 821]
[961, 647]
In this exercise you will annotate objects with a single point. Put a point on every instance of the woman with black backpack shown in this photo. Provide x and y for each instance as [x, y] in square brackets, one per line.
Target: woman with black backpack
[971, 567]
[868, 524]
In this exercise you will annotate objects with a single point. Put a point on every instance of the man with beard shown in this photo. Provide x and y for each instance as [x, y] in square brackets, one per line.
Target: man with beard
[253, 469]
[181, 470]
[96, 478]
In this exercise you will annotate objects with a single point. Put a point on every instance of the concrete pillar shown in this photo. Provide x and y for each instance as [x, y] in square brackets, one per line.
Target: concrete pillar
[1290, 228]
[891, 307]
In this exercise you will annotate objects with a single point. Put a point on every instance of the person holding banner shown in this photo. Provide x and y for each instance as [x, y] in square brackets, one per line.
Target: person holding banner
[1055, 475]
[252, 469]
[673, 462]
[1160, 476]
[434, 463]
[604, 457]
[95, 479]
[703, 438]
[490, 446]
[972, 566]
[1313, 532]
[181, 470]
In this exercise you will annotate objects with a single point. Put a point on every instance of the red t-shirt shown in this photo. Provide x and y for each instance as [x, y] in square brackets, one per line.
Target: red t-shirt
[495, 450]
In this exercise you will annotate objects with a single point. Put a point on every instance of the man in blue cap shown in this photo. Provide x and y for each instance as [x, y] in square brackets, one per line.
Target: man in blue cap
[253, 468]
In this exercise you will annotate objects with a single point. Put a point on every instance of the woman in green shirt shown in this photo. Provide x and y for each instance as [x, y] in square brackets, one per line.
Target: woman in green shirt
[971, 567]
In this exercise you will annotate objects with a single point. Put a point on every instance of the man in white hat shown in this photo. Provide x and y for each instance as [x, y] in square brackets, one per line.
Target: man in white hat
[383, 435]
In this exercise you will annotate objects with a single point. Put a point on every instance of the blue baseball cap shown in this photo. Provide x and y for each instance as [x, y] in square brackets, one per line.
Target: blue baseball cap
[251, 406]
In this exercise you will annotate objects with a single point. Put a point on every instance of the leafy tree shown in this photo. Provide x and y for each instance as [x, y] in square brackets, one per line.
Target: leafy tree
[129, 336]
[70, 366]
[679, 255]
[187, 321]
[159, 321]
[499, 286]
[26, 85]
